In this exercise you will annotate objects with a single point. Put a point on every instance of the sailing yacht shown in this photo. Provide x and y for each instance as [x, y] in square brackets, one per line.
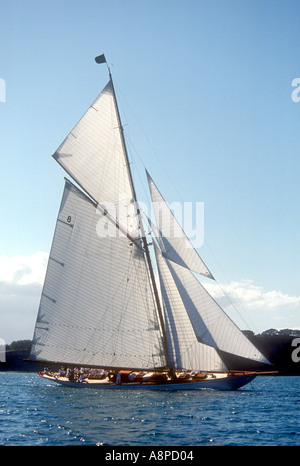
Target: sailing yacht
[103, 308]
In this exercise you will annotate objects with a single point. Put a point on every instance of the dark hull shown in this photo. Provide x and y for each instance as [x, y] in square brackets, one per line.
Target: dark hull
[219, 383]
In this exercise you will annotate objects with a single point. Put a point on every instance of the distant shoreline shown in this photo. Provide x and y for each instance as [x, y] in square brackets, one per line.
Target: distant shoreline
[276, 345]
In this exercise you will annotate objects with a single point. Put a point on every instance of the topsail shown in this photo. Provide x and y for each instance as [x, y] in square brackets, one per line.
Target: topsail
[93, 155]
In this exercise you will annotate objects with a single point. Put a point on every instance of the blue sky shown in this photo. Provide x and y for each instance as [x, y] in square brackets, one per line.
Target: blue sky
[204, 89]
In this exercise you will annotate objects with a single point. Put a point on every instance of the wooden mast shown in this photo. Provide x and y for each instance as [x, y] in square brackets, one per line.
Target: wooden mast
[143, 235]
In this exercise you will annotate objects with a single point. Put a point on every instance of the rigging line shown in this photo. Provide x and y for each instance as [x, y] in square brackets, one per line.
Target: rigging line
[166, 171]
[102, 210]
[73, 209]
[230, 300]
[151, 321]
[98, 327]
[205, 349]
[141, 180]
[91, 268]
[151, 316]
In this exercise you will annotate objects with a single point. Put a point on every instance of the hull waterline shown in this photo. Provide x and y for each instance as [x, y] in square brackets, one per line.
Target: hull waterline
[221, 383]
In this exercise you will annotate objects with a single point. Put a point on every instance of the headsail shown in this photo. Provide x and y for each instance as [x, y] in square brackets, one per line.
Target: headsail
[186, 351]
[201, 318]
[96, 306]
[176, 245]
[211, 324]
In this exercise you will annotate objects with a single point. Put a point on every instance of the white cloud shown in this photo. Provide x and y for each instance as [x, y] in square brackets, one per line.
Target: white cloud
[254, 308]
[252, 296]
[22, 270]
[21, 279]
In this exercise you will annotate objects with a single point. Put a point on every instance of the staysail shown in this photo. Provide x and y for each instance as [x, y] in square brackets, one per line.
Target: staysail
[96, 306]
[176, 245]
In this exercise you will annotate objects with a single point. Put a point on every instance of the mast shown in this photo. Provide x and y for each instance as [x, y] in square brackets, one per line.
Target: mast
[143, 235]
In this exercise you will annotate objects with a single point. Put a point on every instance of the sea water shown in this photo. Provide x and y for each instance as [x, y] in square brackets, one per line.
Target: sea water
[36, 412]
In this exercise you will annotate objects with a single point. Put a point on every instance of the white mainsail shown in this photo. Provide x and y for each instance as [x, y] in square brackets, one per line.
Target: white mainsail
[176, 245]
[96, 306]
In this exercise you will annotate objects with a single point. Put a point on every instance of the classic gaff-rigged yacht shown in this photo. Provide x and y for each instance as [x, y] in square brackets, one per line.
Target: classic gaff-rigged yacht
[102, 307]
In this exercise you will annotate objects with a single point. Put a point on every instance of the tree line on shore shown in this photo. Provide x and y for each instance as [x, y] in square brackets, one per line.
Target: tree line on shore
[280, 347]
